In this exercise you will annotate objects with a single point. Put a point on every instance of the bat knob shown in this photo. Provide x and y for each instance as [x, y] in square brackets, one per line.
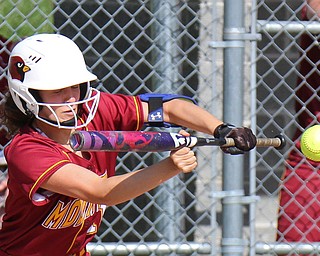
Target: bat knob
[282, 141]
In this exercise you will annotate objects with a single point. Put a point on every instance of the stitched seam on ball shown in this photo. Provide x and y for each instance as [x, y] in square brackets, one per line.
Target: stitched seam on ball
[312, 150]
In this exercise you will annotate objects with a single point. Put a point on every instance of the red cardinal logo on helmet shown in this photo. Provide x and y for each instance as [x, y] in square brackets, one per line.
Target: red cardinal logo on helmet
[18, 68]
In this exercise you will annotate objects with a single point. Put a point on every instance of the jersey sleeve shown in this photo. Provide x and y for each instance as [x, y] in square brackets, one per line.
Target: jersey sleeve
[119, 112]
[31, 161]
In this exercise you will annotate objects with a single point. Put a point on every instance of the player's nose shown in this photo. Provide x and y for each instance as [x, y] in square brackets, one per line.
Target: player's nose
[69, 95]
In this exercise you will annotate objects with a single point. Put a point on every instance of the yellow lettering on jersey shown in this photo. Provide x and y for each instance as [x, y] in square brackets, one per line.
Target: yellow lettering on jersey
[91, 209]
[72, 214]
[83, 215]
[56, 216]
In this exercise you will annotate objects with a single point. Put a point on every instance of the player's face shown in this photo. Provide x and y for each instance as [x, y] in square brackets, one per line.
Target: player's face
[66, 95]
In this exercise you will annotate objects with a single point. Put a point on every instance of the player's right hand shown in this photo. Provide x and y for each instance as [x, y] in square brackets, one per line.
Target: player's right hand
[184, 159]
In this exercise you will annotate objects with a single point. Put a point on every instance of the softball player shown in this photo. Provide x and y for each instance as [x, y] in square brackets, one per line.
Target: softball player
[57, 197]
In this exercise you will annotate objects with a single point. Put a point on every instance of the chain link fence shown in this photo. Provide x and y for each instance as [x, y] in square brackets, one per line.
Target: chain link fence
[172, 46]
[285, 86]
[136, 47]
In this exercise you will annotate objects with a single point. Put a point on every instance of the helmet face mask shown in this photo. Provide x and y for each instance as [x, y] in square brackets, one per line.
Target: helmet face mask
[50, 62]
[90, 103]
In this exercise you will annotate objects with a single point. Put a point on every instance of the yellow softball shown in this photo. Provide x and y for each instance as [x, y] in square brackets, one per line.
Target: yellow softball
[310, 143]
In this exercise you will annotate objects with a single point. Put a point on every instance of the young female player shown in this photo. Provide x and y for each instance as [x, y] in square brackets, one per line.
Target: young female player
[57, 197]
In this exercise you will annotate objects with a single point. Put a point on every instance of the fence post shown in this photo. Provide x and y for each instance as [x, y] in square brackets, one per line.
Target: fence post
[233, 79]
[165, 31]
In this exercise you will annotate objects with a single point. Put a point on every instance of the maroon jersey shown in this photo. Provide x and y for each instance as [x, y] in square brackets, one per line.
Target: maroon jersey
[39, 222]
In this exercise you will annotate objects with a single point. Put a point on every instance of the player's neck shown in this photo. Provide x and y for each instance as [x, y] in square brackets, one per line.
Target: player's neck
[57, 134]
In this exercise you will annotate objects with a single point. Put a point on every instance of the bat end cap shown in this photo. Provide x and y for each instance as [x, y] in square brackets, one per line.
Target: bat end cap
[282, 141]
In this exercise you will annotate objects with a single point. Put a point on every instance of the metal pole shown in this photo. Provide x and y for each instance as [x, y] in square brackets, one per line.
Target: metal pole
[165, 62]
[292, 248]
[214, 169]
[253, 118]
[292, 27]
[232, 216]
[149, 248]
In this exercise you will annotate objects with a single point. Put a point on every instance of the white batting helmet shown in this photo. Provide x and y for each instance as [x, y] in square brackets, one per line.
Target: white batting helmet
[49, 62]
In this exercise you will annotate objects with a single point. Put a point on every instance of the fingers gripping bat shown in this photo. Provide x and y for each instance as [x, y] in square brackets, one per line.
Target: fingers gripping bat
[151, 141]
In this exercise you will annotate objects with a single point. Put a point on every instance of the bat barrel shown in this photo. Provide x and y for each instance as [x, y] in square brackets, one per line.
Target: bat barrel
[124, 141]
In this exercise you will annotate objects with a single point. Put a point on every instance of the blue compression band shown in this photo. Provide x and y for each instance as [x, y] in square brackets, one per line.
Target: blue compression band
[155, 103]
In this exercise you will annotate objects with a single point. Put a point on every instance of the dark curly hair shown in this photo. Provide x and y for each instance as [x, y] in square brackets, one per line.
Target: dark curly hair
[12, 117]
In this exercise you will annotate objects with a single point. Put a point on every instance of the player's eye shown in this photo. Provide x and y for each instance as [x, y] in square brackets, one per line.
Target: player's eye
[75, 86]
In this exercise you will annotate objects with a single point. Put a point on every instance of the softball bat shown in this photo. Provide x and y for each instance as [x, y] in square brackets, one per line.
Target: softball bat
[152, 141]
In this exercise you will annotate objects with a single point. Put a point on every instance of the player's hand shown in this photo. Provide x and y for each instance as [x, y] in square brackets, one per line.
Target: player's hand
[243, 137]
[184, 158]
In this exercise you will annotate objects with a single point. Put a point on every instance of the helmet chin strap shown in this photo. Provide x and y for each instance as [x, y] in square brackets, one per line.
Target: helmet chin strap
[69, 123]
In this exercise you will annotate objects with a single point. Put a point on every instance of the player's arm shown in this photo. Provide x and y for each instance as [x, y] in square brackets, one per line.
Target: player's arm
[191, 115]
[187, 114]
[75, 181]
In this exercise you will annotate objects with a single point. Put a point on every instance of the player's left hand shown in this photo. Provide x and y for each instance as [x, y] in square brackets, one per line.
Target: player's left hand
[243, 137]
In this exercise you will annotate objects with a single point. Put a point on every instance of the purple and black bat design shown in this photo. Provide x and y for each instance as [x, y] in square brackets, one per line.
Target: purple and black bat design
[151, 141]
